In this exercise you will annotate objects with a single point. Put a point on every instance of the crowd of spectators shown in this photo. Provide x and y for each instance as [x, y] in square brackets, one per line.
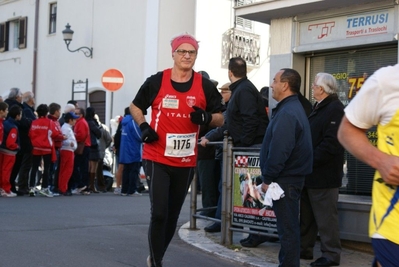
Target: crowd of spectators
[47, 152]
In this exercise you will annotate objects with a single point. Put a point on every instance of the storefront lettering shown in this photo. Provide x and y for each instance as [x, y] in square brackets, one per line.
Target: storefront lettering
[324, 28]
[368, 20]
[355, 85]
[363, 25]
[340, 76]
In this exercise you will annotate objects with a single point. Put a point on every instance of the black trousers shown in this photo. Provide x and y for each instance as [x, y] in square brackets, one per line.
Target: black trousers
[168, 189]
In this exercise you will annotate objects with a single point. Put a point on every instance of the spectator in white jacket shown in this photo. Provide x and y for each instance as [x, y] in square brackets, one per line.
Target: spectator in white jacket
[67, 153]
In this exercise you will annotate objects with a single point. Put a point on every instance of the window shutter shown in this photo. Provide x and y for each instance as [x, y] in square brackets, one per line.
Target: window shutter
[23, 23]
[2, 37]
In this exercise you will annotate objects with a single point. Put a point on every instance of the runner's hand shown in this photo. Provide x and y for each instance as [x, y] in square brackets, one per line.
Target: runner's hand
[200, 116]
[148, 134]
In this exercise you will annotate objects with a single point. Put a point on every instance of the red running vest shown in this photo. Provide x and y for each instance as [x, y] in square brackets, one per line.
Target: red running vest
[170, 118]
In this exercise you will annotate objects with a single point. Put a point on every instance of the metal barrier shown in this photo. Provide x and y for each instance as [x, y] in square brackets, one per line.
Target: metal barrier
[227, 225]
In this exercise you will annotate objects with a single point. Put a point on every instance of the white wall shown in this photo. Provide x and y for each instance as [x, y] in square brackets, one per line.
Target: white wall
[115, 31]
[213, 19]
[16, 65]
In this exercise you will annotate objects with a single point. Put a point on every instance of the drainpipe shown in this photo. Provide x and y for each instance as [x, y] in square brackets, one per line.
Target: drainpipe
[35, 41]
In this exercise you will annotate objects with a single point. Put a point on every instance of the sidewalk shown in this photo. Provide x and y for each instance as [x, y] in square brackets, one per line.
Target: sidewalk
[265, 255]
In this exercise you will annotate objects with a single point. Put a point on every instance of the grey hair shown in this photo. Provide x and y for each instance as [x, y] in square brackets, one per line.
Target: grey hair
[27, 96]
[14, 93]
[328, 82]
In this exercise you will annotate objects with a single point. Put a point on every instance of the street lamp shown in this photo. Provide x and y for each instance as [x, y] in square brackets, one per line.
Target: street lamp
[68, 33]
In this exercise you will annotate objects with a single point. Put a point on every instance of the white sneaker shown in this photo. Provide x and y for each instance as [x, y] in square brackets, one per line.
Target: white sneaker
[55, 194]
[2, 191]
[32, 192]
[117, 190]
[75, 191]
[81, 189]
[46, 192]
[5, 194]
[135, 194]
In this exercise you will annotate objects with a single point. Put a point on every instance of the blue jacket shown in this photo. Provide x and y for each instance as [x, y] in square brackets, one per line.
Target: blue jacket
[287, 153]
[8, 126]
[131, 145]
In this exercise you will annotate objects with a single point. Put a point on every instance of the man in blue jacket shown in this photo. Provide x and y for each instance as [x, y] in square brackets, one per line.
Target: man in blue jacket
[286, 158]
[130, 155]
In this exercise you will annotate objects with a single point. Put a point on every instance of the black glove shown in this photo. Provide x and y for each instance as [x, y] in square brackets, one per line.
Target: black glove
[200, 116]
[148, 134]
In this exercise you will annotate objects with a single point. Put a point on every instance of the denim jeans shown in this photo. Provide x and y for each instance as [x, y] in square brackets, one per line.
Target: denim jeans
[287, 214]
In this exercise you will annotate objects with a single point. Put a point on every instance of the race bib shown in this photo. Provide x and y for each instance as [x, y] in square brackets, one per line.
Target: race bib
[180, 145]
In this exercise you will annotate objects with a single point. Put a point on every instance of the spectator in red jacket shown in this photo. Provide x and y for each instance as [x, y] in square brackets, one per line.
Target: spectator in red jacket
[80, 176]
[43, 148]
[8, 149]
[55, 114]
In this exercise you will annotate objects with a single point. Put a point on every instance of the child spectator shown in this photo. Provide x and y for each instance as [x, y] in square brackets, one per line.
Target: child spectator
[42, 134]
[67, 154]
[9, 148]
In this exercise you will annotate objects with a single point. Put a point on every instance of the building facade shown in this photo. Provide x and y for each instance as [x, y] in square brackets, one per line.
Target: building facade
[132, 36]
[349, 39]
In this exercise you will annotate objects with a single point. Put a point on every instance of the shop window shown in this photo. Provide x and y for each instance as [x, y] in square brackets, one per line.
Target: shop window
[53, 18]
[13, 34]
[351, 69]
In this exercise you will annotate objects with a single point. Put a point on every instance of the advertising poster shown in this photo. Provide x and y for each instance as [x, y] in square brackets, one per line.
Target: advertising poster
[248, 208]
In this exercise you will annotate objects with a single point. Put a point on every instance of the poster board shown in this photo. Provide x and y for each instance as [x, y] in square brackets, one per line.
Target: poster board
[247, 207]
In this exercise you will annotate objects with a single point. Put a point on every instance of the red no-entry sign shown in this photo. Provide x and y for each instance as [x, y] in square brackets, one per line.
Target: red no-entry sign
[112, 79]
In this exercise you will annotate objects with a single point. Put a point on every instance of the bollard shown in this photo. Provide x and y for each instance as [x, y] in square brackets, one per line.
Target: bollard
[229, 175]
[224, 203]
[193, 202]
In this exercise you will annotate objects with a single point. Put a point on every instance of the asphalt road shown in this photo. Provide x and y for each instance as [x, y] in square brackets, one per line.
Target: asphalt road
[102, 230]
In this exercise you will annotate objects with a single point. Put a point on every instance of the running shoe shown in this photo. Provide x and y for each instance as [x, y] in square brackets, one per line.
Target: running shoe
[81, 189]
[32, 192]
[117, 190]
[46, 192]
[10, 194]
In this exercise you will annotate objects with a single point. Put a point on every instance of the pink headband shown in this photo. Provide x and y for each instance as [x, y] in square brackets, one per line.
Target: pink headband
[184, 38]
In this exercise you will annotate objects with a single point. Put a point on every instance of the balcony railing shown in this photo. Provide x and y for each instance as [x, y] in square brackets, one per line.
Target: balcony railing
[238, 43]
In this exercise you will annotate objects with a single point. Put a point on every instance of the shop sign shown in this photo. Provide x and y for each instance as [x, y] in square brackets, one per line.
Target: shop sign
[345, 27]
